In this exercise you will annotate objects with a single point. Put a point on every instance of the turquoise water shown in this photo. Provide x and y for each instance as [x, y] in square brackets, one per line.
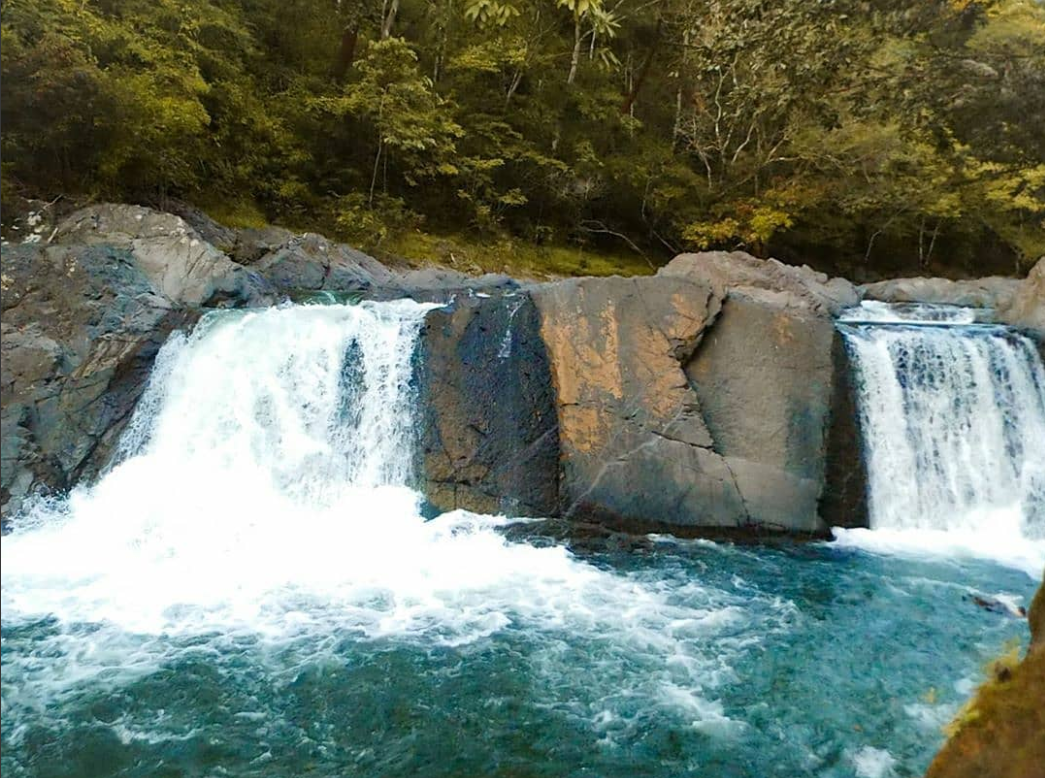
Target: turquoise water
[792, 660]
[252, 590]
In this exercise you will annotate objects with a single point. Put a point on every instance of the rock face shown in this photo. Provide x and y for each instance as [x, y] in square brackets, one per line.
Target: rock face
[764, 378]
[634, 445]
[1026, 309]
[81, 326]
[701, 397]
[83, 318]
[489, 439]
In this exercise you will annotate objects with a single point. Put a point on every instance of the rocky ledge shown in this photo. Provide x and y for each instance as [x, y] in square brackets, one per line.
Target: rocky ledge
[713, 396]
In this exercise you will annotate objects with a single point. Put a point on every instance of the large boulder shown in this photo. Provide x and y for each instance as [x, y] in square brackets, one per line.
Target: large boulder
[489, 437]
[1026, 308]
[81, 326]
[179, 264]
[704, 397]
[765, 377]
[635, 449]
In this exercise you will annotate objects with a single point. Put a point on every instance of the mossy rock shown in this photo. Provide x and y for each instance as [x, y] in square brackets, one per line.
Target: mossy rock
[1036, 616]
[1001, 733]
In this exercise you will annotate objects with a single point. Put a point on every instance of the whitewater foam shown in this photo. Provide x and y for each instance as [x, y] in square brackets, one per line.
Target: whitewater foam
[953, 422]
[265, 495]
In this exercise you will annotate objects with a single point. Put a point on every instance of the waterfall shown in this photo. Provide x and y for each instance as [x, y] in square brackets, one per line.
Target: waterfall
[953, 419]
[264, 491]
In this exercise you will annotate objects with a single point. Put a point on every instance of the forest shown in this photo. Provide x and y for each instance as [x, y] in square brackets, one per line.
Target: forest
[862, 136]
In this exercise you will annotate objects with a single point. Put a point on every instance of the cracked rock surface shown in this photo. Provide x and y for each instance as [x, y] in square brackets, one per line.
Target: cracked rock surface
[700, 397]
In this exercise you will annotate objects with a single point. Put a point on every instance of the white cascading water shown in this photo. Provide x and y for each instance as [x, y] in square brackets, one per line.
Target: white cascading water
[953, 420]
[263, 492]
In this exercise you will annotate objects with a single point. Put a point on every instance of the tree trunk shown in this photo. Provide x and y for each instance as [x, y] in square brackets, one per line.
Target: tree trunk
[347, 53]
[373, 176]
[676, 131]
[629, 101]
[576, 58]
[386, 25]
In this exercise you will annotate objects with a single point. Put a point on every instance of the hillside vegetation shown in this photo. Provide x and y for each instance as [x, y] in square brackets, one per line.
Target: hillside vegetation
[864, 137]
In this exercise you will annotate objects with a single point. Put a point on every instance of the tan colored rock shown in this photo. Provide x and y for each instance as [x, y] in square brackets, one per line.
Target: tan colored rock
[993, 292]
[634, 446]
[783, 285]
[703, 396]
[1027, 306]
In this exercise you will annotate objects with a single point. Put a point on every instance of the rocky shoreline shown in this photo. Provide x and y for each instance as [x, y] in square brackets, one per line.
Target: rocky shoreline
[713, 396]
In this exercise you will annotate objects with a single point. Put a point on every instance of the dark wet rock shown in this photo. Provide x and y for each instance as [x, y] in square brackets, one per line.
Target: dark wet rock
[993, 605]
[489, 437]
[843, 501]
[81, 326]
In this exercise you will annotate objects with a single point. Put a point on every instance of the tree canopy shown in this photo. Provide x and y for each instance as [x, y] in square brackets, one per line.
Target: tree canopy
[860, 135]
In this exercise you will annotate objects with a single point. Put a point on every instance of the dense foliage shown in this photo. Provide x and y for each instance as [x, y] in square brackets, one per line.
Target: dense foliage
[874, 133]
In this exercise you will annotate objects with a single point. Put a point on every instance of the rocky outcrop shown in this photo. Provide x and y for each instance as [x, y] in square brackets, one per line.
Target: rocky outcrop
[764, 377]
[438, 284]
[700, 397]
[634, 445]
[84, 313]
[795, 287]
[489, 437]
[302, 265]
[179, 264]
[307, 263]
[81, 326]
[772, 380]
[993, 292]
[1026, 308]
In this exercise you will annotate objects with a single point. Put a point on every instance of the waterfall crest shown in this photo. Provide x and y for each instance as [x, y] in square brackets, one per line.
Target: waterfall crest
[953, 420]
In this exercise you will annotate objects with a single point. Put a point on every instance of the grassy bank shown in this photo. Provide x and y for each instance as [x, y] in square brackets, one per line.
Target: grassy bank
[520, 259]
